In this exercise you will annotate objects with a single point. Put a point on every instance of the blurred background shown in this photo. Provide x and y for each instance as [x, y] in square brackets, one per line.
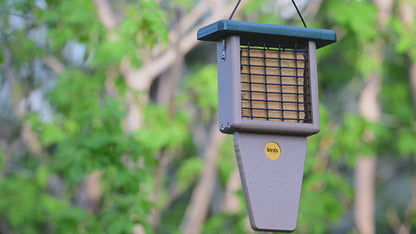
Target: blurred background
[108, 118]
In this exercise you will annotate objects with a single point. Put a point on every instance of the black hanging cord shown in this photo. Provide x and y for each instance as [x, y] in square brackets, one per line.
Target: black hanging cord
[294, 4]
[300, 15]
[235, 8]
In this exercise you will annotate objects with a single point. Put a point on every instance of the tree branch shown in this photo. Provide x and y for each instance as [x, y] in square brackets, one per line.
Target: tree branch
[105, 14]
[54, 64]
[141, 79]
[201, 196]
[231, 200]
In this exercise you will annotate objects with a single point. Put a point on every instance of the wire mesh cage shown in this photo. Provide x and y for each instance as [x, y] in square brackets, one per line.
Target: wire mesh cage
[275, 84]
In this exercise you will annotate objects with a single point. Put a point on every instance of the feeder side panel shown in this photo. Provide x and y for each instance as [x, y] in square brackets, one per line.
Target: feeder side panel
[314, 87]
[228, 61]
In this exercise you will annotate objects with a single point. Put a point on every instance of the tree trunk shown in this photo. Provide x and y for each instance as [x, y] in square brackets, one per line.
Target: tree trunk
[365, 165]
[371, 111]
[407, 15]
[364, 194]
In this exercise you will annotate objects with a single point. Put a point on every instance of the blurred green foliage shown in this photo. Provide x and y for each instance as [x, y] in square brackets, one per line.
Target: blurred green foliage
[86, 133]
[204, 90]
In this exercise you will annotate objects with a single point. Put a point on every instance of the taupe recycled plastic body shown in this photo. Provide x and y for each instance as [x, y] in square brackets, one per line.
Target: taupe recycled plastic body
[269, 130]
[272, 188]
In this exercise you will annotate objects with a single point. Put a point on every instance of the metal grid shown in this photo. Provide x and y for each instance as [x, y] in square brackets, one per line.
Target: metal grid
[275, 84]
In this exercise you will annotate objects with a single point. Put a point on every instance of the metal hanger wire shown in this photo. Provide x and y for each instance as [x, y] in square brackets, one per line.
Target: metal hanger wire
[294, 4]
[235, 8]
[300, 15]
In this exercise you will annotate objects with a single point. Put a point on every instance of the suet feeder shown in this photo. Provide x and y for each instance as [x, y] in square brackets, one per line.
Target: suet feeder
[268, 98]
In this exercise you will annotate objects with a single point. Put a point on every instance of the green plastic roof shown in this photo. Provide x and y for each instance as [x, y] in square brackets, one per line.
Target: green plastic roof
[269, 34]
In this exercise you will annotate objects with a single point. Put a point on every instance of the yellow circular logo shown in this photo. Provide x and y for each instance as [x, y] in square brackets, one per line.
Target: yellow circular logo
[272, 150]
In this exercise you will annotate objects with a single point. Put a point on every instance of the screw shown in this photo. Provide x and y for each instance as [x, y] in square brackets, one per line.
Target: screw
[222, 127]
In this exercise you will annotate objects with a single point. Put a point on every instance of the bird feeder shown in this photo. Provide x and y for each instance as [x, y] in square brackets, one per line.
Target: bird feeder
[268, 98]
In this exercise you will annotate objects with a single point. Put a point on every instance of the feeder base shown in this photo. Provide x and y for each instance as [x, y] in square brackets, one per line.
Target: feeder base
[271, 170]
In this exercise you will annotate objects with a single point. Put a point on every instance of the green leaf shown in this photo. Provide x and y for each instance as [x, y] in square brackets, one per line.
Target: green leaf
[51, 134]
[358, 16]
[42, 176]
[406, 141]
[203, 85]
[226, 163]
[188, 172]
